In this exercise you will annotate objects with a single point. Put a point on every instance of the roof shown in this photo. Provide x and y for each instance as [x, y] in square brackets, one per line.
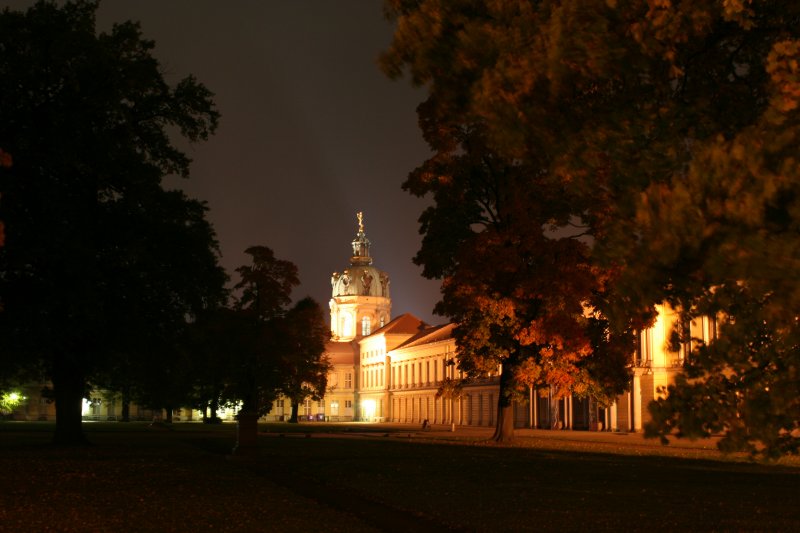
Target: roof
[405, 324]
[341, 352]
[430, 335]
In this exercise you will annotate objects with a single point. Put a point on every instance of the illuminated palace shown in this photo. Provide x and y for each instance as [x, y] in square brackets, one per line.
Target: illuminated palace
[388, 369]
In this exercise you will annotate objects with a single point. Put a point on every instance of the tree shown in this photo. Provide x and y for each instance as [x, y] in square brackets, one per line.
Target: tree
[451, 388]
[87, 117]
[10, 401]
[212, 340]
[516, 284]
[172, 241]
[303, 367]
[265, 291]
[5, 162]
[265, 288]
[668, 132]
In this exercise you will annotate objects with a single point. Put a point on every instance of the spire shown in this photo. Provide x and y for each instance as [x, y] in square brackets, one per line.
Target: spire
[360, 244]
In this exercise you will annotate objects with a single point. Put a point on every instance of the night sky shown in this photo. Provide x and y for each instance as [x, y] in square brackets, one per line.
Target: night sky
[311, 132]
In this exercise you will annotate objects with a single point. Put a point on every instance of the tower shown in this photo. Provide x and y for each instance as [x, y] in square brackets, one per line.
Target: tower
[360, 302]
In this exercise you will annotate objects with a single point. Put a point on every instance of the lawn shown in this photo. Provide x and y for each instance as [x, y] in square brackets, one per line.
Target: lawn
[141, 478]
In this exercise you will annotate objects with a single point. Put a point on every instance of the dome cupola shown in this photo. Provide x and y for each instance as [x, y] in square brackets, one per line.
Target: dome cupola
[360, 300]
[361, 278]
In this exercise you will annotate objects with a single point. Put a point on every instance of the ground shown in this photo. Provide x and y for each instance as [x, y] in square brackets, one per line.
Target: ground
[314, 477]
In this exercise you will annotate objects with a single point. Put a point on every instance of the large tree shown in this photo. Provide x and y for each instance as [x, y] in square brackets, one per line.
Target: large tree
[265, 288]
[668, 131]
[509, 239]
[303, 365]
[88, 117]
[516, 274]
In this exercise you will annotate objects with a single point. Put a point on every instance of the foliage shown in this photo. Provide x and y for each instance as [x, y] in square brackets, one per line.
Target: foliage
[5, 162]
[666, 131]
[303, 367]
[506, 236]
[249, 353]
[257, 341]
[102, 261]
[10, 401]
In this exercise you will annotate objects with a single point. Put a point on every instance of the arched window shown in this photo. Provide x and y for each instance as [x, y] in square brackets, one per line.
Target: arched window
[365, 326]
[383, 321]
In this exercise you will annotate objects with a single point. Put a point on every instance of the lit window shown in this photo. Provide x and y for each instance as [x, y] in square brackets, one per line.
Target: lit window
[365, 326]
[347, 325]
[383, 321]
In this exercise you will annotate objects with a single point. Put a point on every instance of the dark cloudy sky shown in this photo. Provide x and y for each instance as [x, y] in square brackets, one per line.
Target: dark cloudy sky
[311, 132]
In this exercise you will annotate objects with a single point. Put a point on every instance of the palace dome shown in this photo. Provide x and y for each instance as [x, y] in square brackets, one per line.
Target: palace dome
[360, 278]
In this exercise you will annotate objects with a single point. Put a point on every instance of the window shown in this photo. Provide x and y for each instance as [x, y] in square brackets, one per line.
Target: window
[334, 408]
[383, 321]
[348, 404]
[348, 381]
[347, 326]
[365, 326]
[307, 407]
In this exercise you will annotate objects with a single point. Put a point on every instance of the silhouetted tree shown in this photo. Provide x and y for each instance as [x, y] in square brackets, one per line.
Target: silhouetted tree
[303, 367]
[88, 118]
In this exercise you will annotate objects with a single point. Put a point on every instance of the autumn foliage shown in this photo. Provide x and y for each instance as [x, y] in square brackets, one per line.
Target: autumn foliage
[595, 158]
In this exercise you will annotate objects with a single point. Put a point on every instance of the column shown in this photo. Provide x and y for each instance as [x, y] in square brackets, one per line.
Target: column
[637, 403]
[612, 423]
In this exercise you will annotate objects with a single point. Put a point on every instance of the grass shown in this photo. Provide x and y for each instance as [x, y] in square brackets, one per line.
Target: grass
[365, 478]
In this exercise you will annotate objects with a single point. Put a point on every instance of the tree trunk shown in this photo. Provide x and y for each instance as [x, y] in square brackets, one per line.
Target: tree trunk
[246, 429]
[246, 433]
[295, 411]
[555, 415]
[452, 414]
[68, 388]
[214, 407]
[126, 407]
[504, 431]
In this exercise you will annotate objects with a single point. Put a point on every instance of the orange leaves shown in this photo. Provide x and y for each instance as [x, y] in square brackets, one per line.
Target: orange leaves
[5, 159]
[784, 71]
[739, 11]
